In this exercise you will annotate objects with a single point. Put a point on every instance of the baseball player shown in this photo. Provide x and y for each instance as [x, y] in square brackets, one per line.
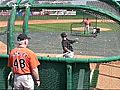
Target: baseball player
[87, 24]
[67, 46]
[24, 64]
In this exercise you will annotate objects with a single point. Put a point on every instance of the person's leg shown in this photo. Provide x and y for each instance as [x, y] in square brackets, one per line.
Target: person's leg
[88, 28]
[85, 28]
[23, 82]
[69, 55]
[94, 30]
[28, 82]
[17, 83]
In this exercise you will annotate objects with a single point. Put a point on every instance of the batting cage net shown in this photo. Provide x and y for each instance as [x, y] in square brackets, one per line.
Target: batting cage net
[4, 16]
[46, 25]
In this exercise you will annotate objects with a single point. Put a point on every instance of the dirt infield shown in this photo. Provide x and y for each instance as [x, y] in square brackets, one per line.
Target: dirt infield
[82, 29]
[60, 55]
[3, 48]
[109, 76]
[4, 23]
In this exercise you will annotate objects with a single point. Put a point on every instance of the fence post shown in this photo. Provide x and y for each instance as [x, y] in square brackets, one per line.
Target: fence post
[10, 35]
[69, 77]
[25, 23]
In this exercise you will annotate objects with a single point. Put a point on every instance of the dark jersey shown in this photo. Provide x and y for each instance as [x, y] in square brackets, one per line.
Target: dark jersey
[68, 44]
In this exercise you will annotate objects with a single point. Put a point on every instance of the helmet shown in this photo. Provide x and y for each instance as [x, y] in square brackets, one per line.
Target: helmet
[63, 34]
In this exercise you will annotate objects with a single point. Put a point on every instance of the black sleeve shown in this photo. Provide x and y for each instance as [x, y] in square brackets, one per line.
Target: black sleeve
[72, 41]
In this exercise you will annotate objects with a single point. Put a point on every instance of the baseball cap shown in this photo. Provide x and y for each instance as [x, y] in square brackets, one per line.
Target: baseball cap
[63, 34]
[22, 36]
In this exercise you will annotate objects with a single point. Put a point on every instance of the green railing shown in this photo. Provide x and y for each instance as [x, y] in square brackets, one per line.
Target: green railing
[74, 60]
[59, 73]
[55, 73]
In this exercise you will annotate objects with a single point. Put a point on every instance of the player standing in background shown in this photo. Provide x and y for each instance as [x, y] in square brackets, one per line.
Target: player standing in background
[24, 64]
[87, 24]
[67, 46]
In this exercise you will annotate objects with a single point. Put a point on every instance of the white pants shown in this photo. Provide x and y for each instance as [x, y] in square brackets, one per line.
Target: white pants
[86, 28]
[69, 55]
[94, 30]
[23, 82]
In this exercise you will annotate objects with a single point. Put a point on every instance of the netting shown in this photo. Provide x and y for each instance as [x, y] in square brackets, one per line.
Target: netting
[109, 34]
[4, 15]
[47, 24]
[45, 31]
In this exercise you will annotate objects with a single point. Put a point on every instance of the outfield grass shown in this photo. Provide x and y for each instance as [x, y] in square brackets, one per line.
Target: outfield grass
[56, 27]
[50, 27]
[66, 27]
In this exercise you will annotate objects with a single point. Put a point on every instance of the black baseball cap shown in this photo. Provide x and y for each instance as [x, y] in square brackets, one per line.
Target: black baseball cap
[22, 36]
[63, 34]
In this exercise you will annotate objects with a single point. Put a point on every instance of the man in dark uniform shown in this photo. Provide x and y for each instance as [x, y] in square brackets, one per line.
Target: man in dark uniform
[67, 46]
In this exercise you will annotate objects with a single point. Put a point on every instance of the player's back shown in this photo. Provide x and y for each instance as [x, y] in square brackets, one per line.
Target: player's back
[87, 22]
[20, 59]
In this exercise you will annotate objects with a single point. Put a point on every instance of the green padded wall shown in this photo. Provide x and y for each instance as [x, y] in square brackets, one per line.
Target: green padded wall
[3, 73]
[52, 75]
[81, 76]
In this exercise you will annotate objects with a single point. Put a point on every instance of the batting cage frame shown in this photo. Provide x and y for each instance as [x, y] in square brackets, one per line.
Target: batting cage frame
[55, 73]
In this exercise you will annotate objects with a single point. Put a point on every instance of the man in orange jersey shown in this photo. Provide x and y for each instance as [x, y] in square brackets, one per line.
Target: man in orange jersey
[87, 24]
[24, 64]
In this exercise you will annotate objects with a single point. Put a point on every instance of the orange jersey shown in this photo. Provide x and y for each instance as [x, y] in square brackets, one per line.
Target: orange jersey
[87, 22]
[22, 60]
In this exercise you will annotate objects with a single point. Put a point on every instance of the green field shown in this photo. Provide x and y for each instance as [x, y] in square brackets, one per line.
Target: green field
[64, 27]
[60, 27]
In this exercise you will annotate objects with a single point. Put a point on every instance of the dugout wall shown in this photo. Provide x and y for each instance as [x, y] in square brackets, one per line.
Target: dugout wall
[60, 73]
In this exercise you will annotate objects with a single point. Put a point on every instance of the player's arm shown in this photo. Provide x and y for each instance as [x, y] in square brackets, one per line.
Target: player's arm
[35, 74]
[34, 70]
[72, 41]
[66, 49]
[90, 23]
[10, 61]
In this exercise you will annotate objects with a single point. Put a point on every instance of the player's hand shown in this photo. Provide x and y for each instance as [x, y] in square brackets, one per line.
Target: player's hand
[76, 40]
[37, 83]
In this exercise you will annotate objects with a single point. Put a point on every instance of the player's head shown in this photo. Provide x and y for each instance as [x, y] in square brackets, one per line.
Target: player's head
[63, 34]
[22, 39]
